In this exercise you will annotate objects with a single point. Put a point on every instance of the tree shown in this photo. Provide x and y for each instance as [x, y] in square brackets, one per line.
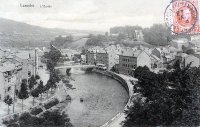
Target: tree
[56, 118]
[157, 34]
[37, 77]
[32, 82]
[47, 87]
[41, 88]
[190, 52]
[68, 72]
[51, 84]
[34, 94]
[96, 40]
[62, 41]
[114, 69]
[46, 119]
[120, 38]
[52, 57]
[140, 71]
[168, 95]
[8, 100]
[23, 93]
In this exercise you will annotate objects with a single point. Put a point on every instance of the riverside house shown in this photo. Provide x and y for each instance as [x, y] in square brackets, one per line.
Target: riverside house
[130, 59]
[108, 58]
[91, 57]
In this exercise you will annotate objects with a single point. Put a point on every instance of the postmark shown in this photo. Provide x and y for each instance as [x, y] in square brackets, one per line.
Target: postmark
[181, 16]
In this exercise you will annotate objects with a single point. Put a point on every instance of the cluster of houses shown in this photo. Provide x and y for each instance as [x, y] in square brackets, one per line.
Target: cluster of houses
[126, 59]
[15, 66]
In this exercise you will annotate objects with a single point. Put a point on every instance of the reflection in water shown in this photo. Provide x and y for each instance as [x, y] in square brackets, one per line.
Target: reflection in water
[103, 98]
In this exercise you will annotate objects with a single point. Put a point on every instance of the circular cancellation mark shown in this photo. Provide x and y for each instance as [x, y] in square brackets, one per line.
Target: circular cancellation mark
[180, 16]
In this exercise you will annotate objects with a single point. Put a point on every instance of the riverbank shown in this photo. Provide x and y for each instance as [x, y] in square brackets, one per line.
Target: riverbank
[126, 82]
[103, 98]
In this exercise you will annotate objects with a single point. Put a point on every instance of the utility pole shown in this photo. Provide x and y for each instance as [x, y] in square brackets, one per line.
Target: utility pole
[14, 99]
[35, 62]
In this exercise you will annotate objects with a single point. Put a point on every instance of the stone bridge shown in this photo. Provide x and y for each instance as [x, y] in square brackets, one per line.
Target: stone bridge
[76, 67]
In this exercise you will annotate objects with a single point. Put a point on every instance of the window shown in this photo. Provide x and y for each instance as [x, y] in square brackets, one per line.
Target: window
[9, 88]
[8, 79]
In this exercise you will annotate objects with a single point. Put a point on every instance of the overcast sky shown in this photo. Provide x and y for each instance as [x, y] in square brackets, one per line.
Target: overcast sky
[86, 14]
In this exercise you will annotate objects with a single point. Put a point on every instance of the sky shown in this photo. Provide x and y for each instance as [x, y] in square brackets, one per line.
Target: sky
[97, 15]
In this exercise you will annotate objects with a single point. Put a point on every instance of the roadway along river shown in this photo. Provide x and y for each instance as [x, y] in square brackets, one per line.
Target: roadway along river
[103, 98]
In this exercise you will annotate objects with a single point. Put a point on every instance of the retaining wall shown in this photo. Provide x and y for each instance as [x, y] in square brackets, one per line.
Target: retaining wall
[126, 83]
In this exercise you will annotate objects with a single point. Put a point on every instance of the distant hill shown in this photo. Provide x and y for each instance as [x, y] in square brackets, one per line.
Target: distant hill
[79, 43]
[18, 34]
[132, 43]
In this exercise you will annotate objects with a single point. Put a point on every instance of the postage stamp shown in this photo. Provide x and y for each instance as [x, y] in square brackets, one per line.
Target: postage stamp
[182, 16]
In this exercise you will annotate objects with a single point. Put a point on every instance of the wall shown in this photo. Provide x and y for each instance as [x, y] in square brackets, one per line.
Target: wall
[125, 82]
[144, 60]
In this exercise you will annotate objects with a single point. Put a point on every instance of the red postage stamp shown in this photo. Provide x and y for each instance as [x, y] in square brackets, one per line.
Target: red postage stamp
[182, 16]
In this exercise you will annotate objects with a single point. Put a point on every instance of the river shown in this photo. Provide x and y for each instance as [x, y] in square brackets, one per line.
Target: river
[103, 98]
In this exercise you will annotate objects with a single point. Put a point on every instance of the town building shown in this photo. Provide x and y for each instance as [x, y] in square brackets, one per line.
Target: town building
[164, 54]
[130, 59]
[91, 57]
[155, 62]
[28, 63]
[108, 58]
[139, 35]
[186, 59]
[10, 77]
[83, 59]
[102, 57]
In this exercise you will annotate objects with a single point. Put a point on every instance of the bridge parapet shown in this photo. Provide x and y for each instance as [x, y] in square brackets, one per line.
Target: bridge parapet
[75, 66]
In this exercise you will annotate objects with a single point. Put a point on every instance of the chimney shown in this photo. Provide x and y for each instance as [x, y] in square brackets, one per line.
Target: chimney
[4, 56]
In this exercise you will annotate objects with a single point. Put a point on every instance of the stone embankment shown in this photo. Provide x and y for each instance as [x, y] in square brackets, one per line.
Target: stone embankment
[127, 82]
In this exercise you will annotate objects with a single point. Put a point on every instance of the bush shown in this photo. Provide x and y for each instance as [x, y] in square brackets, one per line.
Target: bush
[172, 98]
[55, 118]
[36, 110]
[12, 119]
[37, 77]
[13, 125]
[47, 119]
[51, 103]
[65, 81]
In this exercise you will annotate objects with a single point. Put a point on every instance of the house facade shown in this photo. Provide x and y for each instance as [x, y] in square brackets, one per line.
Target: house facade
[8, 80]
[102, 58]
[109, 59]
[91, 57]
[132, 59]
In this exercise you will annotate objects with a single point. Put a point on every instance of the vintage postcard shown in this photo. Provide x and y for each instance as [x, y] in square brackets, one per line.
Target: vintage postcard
[99, 63]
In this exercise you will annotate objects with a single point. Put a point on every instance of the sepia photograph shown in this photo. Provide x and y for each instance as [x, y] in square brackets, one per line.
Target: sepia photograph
[99, 63]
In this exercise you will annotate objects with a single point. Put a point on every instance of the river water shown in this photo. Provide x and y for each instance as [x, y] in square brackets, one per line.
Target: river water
[103, 98]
